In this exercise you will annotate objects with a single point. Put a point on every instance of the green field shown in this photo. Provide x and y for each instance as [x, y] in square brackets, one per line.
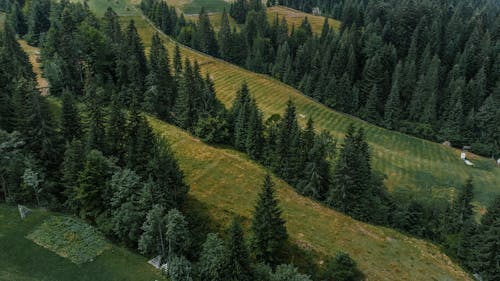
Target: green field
[226, 182]
[212, 6]
[408, 162]
[23, 260]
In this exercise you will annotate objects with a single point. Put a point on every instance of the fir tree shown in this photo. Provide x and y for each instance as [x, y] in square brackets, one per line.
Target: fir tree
[213, 259]
[238, 257]
[70, 118]
[392, 112]
[205, 35]
[269, 231]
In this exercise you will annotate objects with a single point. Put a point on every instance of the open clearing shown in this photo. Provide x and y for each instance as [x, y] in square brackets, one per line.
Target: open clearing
[23, 260]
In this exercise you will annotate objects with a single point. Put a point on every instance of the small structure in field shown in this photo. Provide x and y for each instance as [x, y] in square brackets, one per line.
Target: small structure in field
[316, 11]
[447, 143]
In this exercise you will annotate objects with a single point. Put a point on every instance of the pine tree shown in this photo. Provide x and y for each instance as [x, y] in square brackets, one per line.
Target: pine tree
[392, 112]
[170, 191]
[177, 234]
[488, 260]
[269, 231]
[140, 142]
[205, 35]
[96, 128]
[371, 113]
[160, 87]
[115, 128]
[462, 206]
[70, 118]
[288, 142]
[177, 62]
[38, 21]
[213, 259]
[72, 165]
[17, 20]
[237, 256]
[127, 212]
[225, 38]
[90, 193]
[183, 109]
[239, 11]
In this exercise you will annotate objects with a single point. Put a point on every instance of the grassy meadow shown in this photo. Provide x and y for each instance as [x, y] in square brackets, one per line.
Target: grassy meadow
[23, 260]
[408, 162]
[226, 182]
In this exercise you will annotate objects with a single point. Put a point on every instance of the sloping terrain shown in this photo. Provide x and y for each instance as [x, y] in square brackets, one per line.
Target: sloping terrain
[23, 260]
[408, 162]
[226, 182]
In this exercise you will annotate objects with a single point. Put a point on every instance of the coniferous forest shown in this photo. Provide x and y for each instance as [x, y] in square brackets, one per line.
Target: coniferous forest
[427, 68]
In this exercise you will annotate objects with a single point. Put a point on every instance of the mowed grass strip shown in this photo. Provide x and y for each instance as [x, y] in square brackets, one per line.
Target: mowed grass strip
[21, 259]
[420, 163]
[228, 183]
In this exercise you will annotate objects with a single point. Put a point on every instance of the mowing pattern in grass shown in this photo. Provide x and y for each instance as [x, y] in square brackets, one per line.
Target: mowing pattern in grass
[407, 161]
[295, 18]
[21, 259]
[70, 238]
[227, 182]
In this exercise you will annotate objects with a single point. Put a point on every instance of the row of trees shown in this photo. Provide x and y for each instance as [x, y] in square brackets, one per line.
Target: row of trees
[404, 65]
[99, 158]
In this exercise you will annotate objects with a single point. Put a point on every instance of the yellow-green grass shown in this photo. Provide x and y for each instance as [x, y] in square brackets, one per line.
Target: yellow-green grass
[295, 18]
[23, 260]
[408, 162]
[227, 182]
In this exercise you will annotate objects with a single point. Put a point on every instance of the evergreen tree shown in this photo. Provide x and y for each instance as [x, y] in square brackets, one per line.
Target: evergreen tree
[153, 240]
[213, 259]
[160, 94]
[462, 206]
[225, 38]
[343, 268]
[73, 163]
[287, 144]
[116, 126]
[488, 261]
[17, 20]
[38, 20]
[205, 35]
[179, 269]
[268, 228]
[392, 112]
[139, 141]
[127, 212]
[96, 128]
[238, 257]
[238, 11]
[91, 192]
[70, 118]
[177, 234]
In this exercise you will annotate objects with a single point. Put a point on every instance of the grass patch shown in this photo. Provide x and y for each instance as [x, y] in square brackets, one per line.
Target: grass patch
[21, 259]
[70, 238]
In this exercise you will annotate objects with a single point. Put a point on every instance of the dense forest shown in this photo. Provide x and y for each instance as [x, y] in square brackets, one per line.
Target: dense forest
[426, 68]
[98, 158]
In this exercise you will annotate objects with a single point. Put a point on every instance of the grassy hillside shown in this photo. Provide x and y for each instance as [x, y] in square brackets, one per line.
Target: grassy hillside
[23, 260]
[295, 18]
[226, 182]
[408, 162]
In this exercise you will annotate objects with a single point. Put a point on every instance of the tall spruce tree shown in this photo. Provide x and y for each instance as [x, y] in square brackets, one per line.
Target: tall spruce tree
[70, 118]
[238, 257]
[268, 228]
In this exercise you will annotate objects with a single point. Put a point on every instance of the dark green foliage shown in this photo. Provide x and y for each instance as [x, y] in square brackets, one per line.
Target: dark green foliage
[268, 228]
[168, 188]
[204, 39]
[70, 118]
[91, 193]
[115, 128]
[153, 240]
[288, 139]
[237, 256]
[179, 269]
[212, 259]
[160, 92]
[176, 234]
[238, 11]
[17, 19]
[38, 20]
[139, 141]
[342, 268]
[74, 158]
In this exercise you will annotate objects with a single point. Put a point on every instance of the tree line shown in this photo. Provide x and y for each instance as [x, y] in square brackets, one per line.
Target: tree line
[99, 159]
[424, 68]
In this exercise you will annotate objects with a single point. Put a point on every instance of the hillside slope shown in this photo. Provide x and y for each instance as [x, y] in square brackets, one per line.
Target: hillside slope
[408, 162]
[295, 18]
[227, 182]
